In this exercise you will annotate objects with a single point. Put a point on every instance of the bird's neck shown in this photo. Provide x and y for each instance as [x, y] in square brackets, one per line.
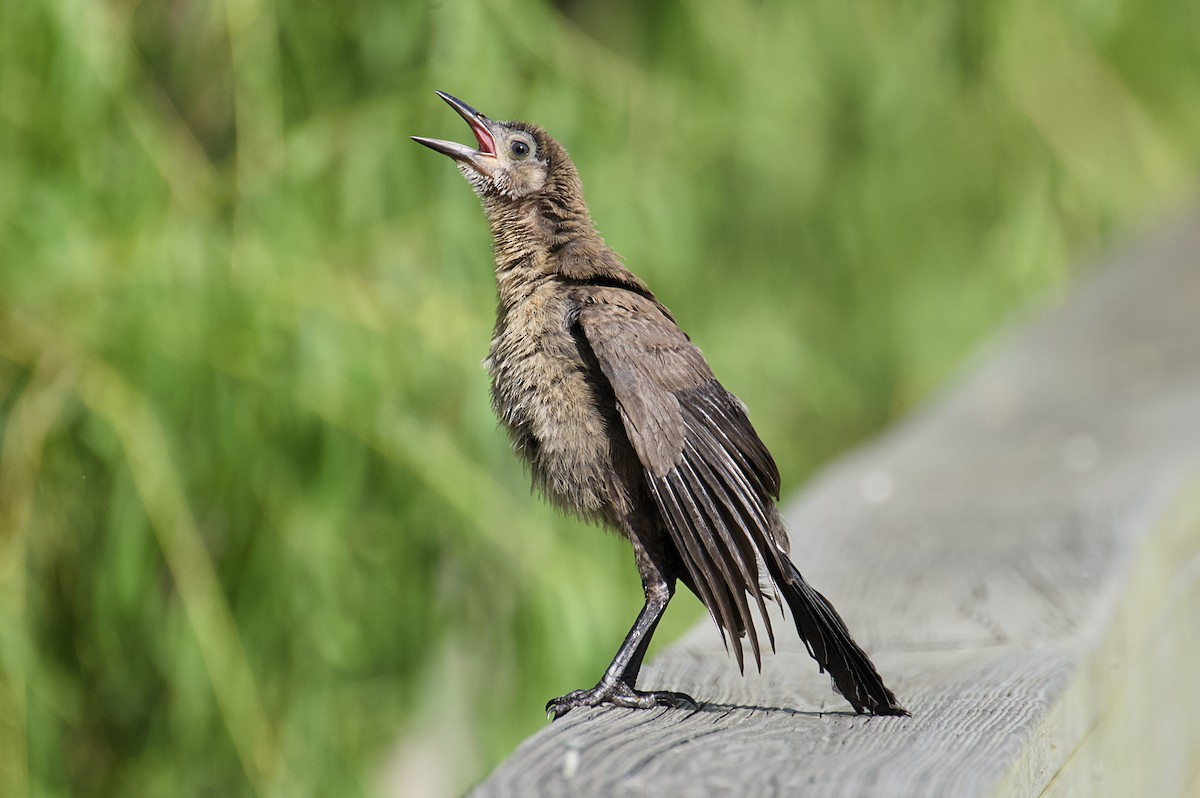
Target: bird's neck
[548, 238]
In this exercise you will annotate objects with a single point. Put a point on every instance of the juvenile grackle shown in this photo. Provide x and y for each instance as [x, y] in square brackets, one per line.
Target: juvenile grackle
[622, 422]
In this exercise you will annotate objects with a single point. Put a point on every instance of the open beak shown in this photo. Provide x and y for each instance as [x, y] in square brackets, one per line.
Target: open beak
[483, 160]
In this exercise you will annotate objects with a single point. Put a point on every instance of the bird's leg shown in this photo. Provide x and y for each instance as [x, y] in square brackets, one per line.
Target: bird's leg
[628, 660]
[629, 676]
[616, 686]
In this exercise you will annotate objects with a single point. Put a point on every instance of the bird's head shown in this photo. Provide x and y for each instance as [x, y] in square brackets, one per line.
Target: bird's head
[514, 159]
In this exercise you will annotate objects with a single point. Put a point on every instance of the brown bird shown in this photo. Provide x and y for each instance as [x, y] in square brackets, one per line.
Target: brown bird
[622, 422]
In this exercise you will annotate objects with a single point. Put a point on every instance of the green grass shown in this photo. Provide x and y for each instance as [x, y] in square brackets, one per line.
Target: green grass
[257, 524]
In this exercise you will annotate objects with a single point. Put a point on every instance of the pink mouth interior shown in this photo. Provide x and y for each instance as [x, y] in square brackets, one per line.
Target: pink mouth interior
[487, 144]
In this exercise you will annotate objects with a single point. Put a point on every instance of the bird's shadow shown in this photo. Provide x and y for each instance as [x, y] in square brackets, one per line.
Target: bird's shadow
[715, 708]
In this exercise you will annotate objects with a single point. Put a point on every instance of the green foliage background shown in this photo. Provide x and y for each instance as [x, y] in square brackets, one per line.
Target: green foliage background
[258, 532]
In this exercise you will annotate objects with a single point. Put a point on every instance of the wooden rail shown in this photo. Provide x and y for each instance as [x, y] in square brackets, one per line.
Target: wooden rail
[1021, 558]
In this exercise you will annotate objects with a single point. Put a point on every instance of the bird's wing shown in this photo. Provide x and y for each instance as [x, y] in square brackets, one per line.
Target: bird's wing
[712, 479]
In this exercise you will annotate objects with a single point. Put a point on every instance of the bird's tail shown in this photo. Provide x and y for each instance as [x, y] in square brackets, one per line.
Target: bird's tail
[830, 644]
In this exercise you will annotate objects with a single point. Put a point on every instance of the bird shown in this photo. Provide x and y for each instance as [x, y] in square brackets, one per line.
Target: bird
[621, 422]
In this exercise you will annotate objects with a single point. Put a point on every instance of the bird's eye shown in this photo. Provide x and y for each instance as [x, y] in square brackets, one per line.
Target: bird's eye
[519, 149]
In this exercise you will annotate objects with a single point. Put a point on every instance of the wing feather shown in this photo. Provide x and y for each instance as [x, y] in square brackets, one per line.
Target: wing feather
[747, 552]
[718, 533]
[696, 562]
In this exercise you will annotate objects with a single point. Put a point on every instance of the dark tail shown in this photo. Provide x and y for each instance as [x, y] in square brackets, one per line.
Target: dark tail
[830, 644]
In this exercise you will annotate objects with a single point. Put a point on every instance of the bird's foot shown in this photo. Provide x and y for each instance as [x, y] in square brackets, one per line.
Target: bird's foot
[618, 694]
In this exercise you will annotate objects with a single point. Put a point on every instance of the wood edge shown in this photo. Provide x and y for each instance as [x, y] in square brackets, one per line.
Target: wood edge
[1129, 724]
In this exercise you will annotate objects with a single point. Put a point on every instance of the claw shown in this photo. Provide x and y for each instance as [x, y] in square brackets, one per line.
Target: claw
[678, 700]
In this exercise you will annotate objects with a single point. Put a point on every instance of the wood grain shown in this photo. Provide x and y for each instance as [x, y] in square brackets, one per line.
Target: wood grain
[1026, 575]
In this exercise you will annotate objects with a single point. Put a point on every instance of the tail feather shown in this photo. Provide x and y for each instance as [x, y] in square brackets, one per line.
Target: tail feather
[830, 644]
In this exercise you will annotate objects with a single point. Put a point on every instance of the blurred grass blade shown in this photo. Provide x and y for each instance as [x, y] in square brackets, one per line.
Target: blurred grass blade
[103, 391]
[142, 439]
[24, 436]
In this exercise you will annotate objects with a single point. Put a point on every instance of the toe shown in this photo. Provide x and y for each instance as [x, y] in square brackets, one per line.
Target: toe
[557, 707]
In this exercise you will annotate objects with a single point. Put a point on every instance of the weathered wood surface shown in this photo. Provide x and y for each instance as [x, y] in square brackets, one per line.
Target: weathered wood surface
[1022, 558]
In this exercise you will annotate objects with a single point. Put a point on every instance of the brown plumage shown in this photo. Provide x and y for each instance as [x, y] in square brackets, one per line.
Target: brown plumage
[621, 421]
